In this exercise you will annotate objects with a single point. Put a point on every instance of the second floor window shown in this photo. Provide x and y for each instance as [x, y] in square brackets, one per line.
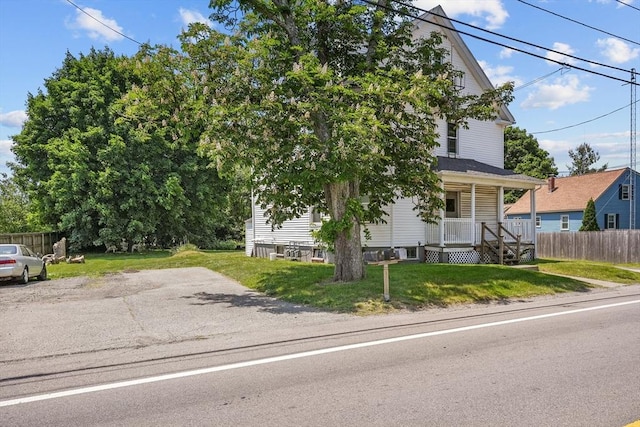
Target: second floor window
[452, 139]
[624, 192]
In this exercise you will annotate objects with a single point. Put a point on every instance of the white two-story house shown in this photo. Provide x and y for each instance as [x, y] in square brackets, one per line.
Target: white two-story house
[471, 168]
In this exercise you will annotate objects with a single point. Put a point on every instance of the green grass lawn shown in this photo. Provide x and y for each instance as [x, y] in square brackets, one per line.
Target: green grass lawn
[412, 286]
[590, 270]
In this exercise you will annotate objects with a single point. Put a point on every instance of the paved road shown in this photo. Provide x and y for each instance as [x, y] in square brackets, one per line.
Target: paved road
[578, 368]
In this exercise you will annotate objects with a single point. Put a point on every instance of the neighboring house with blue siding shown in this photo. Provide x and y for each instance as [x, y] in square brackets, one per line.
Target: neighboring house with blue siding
[560, 204]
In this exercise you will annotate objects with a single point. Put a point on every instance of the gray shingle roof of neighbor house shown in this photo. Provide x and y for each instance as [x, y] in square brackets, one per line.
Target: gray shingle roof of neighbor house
[569, 193]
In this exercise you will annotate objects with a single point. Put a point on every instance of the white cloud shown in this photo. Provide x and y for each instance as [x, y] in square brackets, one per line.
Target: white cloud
[95, 24]
[506, 53]
[13, 119]
[499, 74]
[565, 90]
[617, 51]
[5, 147]
[191, 16]
[562, 48]
[5, 154]
[492, 12]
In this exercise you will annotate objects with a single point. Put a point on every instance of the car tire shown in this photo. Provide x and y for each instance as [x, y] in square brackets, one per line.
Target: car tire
[24, 279]
[43, 273]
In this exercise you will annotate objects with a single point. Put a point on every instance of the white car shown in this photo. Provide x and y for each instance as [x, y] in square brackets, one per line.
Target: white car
[17, 262]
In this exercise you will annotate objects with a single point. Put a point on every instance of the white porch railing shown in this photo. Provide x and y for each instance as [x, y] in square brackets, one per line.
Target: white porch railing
[520, 227]
[463, 231]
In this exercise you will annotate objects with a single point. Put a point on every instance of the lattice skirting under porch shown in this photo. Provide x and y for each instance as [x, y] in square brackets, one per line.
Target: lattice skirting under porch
[467, 256]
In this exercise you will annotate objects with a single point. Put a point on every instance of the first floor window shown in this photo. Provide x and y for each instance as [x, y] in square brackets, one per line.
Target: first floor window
[316, 215]
[611, 221]
[538, 221]
[564, 222]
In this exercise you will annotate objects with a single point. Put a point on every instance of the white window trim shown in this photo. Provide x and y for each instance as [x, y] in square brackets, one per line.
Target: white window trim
[611, 216]
[538, 221]
[562, 227]
[625, 191]
[450, 138]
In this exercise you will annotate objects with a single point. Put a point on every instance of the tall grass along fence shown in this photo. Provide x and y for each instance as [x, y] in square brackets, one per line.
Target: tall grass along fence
[616, 246]
[38, 242]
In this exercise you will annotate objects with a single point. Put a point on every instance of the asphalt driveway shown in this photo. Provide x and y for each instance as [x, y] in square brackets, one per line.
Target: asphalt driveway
[138, 309]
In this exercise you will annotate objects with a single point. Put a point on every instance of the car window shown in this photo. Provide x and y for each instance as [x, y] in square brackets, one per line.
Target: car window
[8, 250]
[25, 251]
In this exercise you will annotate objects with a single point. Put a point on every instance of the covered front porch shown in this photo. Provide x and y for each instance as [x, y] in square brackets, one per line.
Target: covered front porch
[473, 214]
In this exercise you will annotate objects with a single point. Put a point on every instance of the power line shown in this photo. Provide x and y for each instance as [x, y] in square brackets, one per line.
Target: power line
[627, 4]
[585, 122]
[370, 2]
[578, 22]
[101, 23]
[419, 18]
[540, 78]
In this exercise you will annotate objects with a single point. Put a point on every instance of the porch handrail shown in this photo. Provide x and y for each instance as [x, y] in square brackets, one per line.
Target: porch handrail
[501, 243]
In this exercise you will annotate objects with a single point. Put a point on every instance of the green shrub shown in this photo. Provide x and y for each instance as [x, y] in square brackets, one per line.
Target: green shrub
[184, 248]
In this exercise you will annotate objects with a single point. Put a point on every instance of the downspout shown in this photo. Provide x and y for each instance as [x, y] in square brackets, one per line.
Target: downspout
[532, 201]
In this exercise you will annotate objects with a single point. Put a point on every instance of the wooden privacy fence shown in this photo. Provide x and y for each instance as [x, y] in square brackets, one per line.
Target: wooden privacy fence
[616, 246]
[37, 242]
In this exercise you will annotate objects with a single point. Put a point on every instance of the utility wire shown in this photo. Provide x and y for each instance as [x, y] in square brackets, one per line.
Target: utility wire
[495, 34]
[522, 86]
[627, 4]
[578, 22]
[101, 23]
[586, 121]
[418, 18]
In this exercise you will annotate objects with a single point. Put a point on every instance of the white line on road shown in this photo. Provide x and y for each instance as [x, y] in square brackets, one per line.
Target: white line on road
[249, 363]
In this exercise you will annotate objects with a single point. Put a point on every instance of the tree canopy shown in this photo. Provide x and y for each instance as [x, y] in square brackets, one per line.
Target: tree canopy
[522, 154]
[582, 158]
[98, 167]
[16, 215]
[327, 102]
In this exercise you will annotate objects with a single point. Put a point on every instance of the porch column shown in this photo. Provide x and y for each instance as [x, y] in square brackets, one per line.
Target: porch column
[442, 218]
[532, 203]
[473, 214]
[500, 204]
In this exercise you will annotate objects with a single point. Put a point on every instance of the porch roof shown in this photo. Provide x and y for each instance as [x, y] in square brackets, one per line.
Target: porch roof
[469, 171]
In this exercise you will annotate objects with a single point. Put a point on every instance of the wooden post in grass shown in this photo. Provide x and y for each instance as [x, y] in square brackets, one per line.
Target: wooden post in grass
[385, 275]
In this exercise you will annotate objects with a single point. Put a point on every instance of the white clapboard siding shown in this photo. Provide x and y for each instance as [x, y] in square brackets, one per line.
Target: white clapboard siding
[408, 228]
[297, 229]
[380, 234]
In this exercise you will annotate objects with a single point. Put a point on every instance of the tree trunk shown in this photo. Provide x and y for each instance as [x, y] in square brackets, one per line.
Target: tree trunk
[349, 263]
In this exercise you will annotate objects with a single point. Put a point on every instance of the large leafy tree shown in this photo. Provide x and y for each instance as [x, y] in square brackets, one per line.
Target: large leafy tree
[94, 167]
[522, 154]
[582, 158]
[16, 215]
[328, 102]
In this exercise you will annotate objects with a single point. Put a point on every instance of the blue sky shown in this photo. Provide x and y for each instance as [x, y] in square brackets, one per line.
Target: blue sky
[35, 35]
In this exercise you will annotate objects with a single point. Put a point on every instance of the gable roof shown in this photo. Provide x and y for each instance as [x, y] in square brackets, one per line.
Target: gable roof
[569, 194]
[439, 18]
